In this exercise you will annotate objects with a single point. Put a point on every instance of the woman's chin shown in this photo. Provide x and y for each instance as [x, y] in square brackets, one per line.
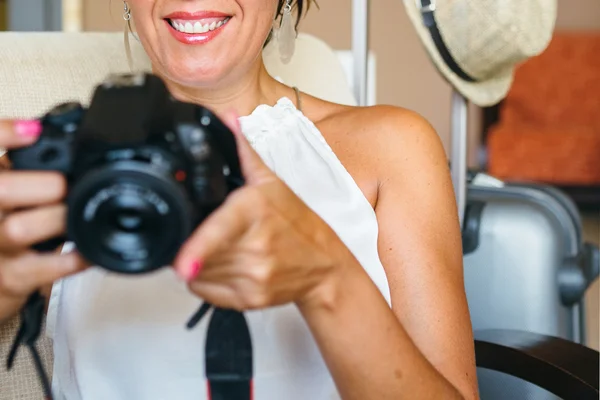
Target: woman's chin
[193, 75]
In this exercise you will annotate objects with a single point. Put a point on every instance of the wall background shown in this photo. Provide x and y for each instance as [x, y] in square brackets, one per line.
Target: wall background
[405, 76]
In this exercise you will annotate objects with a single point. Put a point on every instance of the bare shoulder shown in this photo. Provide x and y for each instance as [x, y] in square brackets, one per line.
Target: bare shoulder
[380, 142]
[381, 125]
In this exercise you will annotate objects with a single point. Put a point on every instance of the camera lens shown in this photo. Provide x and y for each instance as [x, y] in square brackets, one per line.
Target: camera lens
[128, 217]
[127, 223]
[129, 220]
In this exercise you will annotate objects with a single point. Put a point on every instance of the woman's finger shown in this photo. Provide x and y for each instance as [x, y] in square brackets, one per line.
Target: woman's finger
[19, 133]
[219, 295]
[30, 188]
[223, 227]
[22, 229]
[22, 275]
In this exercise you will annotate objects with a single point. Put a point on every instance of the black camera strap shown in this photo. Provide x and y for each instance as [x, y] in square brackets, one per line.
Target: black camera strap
[228, 349]
[228, 354]
[32, 318]
[427, 9]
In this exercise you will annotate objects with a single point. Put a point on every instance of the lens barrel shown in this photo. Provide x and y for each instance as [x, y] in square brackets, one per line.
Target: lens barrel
[128, 217]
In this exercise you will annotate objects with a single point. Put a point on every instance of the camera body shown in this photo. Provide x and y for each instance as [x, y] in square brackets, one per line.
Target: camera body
[143, 171]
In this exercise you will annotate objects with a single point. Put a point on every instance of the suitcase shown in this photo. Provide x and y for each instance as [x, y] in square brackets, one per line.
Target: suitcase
[525, 264]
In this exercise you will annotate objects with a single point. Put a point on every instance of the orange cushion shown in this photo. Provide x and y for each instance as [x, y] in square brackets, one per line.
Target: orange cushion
[549, 127]
[554, 155]
[561, 86]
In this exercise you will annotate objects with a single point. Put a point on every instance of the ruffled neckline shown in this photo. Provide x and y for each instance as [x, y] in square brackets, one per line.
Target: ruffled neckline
[267, 118]
[280, 109]
[283, 117]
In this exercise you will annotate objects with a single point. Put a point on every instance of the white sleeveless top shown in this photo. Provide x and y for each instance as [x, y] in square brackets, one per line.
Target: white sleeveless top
[124, 338]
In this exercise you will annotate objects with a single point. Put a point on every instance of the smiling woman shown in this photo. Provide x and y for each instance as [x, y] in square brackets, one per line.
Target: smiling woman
[241, 27]
[342, 248]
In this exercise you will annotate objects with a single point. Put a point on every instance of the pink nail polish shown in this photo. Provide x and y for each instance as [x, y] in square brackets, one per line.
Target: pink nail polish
[189, 273]
[28, 128]
[194, 270]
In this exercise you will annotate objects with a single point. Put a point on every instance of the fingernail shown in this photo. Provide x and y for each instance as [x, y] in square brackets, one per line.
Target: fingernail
[195, 269]
[28, 128]
[191, 272]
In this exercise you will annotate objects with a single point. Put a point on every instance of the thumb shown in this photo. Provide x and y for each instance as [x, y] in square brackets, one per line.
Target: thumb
[253, 167]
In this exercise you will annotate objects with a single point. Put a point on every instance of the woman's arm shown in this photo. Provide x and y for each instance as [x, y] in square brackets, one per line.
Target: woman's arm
[264, 247]
[423, 349]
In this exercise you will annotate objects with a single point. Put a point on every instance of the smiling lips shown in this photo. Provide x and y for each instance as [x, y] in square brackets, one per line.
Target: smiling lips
[196, 28]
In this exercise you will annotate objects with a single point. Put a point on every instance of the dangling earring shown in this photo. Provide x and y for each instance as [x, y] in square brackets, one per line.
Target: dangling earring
[127, 28]
[286, 34]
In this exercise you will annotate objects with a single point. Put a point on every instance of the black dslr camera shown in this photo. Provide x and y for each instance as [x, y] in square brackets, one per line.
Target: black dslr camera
[143, 170]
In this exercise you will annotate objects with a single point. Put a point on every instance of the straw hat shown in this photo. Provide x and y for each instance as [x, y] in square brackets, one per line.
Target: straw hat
[476, 44]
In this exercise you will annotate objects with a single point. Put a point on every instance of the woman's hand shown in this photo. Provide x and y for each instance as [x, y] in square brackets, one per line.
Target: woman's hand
[263, 247]
[30, 212]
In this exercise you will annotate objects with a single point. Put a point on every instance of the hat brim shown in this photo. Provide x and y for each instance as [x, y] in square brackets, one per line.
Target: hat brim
[482, 93]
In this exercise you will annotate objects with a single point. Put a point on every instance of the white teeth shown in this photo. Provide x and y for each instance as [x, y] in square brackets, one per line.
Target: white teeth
[197, 27]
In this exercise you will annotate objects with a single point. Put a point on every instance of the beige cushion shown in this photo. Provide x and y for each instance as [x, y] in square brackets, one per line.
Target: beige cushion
[38, 70]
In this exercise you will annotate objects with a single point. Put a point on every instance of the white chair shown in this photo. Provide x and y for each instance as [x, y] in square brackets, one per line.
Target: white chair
[39, 70]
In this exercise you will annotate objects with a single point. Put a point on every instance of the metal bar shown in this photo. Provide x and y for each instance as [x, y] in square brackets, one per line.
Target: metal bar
[360, 48]
[458, 157]
[578, 313]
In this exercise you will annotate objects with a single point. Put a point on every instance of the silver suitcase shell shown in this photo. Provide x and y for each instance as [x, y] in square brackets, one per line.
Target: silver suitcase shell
[526, 266]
